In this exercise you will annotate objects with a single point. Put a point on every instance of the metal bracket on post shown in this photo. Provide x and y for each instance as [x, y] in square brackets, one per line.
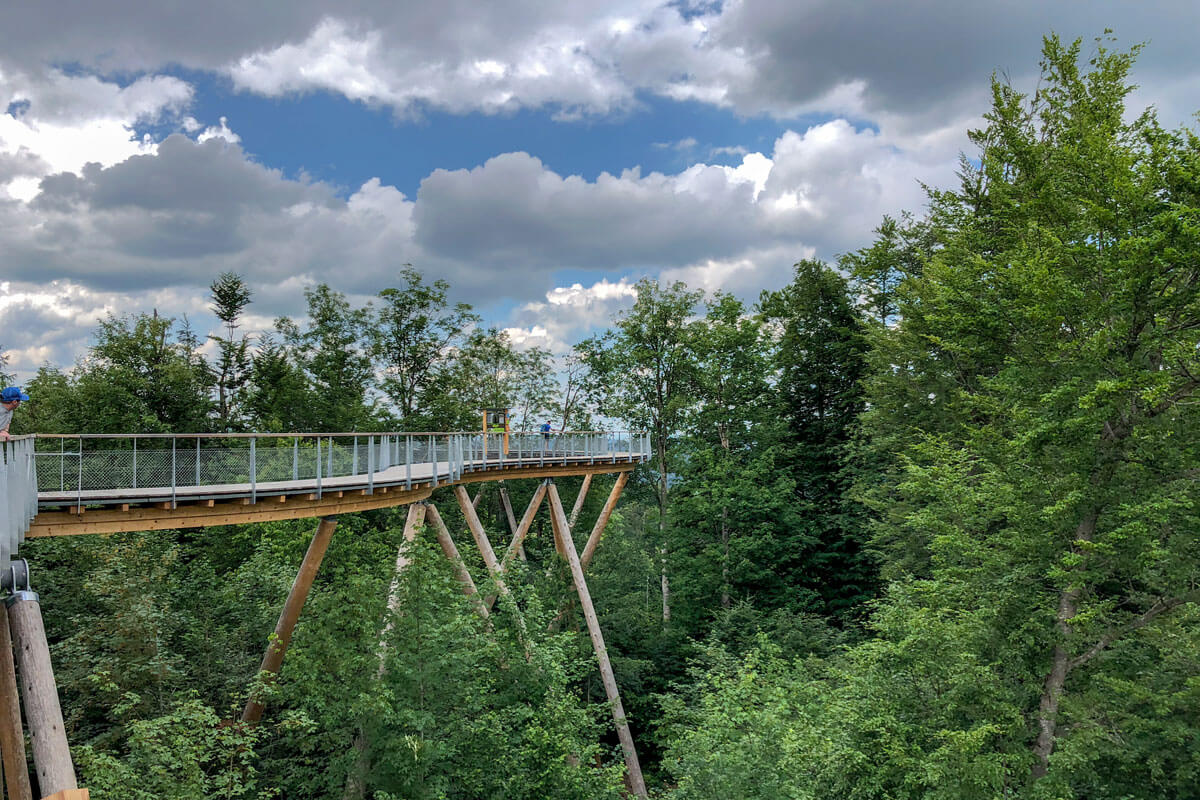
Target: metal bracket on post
[16, 577]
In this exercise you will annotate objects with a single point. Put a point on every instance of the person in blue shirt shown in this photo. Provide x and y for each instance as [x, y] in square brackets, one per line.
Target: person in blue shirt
[10, 398]
[545, 429]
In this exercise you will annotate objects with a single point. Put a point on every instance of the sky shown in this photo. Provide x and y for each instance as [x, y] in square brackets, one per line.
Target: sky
[540, 157]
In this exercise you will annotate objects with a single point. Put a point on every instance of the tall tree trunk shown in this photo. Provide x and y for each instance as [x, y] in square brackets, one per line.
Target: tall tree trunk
[662, 525]
[1060, 665]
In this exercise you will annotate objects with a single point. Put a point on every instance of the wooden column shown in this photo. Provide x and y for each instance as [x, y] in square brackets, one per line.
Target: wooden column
[593, 541]
[514, 547]
[273, 658]
[522, 530]
[460, 569]
[481, 539]
[355, 787]
[12, 736]
[51, 754]
[583, 490]
[563, 532]
[416, 518]
[512, 520]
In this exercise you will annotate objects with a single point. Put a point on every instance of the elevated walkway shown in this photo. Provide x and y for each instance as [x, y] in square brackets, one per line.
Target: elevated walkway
[112, 483]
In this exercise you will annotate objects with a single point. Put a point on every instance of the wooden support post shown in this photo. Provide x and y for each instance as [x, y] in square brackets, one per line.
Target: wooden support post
[593, 541]
[273, 658]
[51, 754]
[522, 530]
[416, 518]
[355, 787]
[460, 569]
[481, 539]
[583, 490]
[563, 532]
[493, 566]
[12, 737]
[514, 547]
[508, 509]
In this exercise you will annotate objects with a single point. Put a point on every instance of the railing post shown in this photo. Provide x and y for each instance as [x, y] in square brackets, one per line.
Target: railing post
[295, 458]
[197, 460]
[79, 485]
[253, 471]
[173, 477]
[318, 467]
[433, 452]
[354, 458]
[408, 457]
[371, 465]
[329, 472]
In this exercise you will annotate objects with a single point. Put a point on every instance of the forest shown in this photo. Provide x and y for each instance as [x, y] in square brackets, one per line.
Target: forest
[919, 524]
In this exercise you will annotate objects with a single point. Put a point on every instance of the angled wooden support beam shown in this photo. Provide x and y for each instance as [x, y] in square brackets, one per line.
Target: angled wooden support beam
[12, 737]
[508, 509]
[563, 532]
[583, 490]
[589, 549]
[47, 735]
[460, 569]
[355, 786]
[282, 637]
[495, 570]
[515, 546]
[512, 520]
[481, 539]
[415, 519]
[522, 529]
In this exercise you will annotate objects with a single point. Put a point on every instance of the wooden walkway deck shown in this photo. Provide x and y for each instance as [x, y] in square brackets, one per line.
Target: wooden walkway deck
[158, 508]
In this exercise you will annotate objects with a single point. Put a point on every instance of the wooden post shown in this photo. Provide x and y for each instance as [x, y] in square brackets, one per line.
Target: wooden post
[593, 541]
[514, 547]
[282, 637]
[489, 558]
[12, 737]
[51, 754]
[508, 509]
[563, 532]
[522, 530]
[512, 520]
[583, 490]
[481, 539]
[460, 569]
[355, 786]
[416, 518]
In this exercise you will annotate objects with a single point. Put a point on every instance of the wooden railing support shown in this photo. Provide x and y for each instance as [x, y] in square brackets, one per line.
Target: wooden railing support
[562, 531]
[51, 754]
[282, 637]
[12, 736]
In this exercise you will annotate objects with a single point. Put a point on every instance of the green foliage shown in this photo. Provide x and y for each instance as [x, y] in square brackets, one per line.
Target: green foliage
[230, 296]
[412, 340]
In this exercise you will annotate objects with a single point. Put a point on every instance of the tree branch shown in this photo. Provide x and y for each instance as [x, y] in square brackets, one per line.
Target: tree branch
[1161, 606]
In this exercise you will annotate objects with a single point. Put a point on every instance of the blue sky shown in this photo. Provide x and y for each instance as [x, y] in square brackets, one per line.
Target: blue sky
[540, 158]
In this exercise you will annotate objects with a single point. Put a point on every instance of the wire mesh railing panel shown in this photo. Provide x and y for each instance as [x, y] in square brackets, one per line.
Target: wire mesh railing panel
[162, 462]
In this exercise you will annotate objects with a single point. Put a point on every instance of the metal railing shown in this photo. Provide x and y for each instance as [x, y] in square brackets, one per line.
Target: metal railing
[18, 494]
[88, 465]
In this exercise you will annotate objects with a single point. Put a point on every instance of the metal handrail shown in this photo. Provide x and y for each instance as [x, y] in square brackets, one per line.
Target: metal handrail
[199, 460]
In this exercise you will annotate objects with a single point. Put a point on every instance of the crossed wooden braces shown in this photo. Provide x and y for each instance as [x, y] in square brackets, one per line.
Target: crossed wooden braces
[422, 511]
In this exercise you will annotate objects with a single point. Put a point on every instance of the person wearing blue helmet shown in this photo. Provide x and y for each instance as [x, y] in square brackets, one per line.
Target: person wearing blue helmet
[10, 398]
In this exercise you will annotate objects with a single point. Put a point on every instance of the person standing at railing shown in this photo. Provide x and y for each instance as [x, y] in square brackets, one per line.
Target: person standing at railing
[10, 398]
[546, 430]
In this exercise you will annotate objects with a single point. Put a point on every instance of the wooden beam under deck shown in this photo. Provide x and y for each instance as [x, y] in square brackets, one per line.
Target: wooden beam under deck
[122, 518]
